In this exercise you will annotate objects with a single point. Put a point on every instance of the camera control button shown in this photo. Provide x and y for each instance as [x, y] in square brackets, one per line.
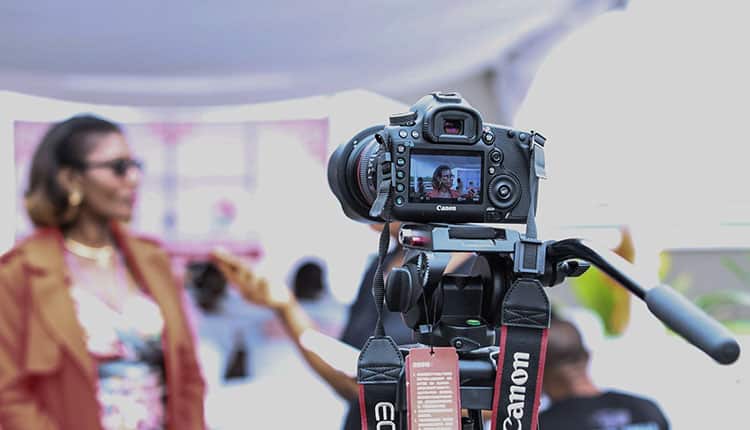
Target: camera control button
[491, 170]
[488, 137]
[400, 174]
[400, 161]
[403, 134]
[400, 188]
[399, 201]
[504, 191]
[415, 134]
[496, 156]
[522, 136]
[401, 149]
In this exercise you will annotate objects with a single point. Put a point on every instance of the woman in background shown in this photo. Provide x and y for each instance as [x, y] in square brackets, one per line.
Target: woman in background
[93, 332]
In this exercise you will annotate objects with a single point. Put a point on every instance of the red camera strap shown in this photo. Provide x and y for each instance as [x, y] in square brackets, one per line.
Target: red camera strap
[520, 362]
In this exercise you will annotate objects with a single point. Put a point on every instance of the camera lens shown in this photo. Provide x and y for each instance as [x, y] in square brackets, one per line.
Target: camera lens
[352, 174]
[453, 126]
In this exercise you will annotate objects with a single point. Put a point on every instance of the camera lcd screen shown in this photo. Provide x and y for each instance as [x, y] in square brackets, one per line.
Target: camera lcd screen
[441, 178]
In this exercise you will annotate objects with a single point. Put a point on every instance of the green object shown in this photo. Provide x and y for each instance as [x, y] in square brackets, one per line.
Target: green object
[473, 322]
[591, 292]
[605, 296]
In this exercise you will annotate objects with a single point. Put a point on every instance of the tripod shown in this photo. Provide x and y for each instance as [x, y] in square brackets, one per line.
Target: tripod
[465, 311]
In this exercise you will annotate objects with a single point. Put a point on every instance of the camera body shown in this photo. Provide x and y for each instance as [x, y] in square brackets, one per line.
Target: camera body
[445, 165]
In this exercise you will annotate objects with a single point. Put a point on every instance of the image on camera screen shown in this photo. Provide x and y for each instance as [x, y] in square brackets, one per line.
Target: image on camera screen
[445, 178]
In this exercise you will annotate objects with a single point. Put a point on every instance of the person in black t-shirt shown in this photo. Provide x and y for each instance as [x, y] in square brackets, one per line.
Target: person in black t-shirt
[576, 402]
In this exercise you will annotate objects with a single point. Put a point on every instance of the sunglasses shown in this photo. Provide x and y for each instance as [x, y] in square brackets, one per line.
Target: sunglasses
[119, 166]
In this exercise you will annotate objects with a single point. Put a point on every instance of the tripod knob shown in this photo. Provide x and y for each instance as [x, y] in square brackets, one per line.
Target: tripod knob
[398, 290]
[574, 268]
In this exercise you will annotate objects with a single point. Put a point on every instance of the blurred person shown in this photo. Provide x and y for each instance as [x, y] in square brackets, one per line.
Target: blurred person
[85, 306]
[576, 402]
[361, 320]
[308, 282]
[310, 286]
[442, 183]
[210, 295]
[207, 284]
[420, 187]
[471, 191]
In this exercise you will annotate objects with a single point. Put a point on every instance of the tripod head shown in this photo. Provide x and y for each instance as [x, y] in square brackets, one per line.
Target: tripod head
[464, 311]
[502, 295]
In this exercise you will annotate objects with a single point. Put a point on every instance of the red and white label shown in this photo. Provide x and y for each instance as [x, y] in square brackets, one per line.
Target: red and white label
[432, 386]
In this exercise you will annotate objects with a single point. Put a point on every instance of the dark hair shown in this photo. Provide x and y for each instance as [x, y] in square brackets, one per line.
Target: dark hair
[65, 144]
[436, 175]
[564, 344]
[208, 284]
[308, 283]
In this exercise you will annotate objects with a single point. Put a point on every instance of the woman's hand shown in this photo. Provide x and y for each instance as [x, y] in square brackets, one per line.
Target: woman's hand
[253, 288]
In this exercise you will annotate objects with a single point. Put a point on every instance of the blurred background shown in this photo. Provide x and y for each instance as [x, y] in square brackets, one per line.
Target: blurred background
[235, 108]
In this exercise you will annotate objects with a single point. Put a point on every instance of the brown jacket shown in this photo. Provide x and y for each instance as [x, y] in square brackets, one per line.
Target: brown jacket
[47, 377]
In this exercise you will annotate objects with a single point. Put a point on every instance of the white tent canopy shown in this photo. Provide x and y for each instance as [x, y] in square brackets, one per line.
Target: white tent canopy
[206, 53]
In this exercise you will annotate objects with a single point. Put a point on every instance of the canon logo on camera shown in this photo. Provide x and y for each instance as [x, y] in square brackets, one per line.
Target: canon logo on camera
[441, 208]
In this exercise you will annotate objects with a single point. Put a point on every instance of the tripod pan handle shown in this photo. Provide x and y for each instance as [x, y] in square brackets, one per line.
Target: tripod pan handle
[692, 323]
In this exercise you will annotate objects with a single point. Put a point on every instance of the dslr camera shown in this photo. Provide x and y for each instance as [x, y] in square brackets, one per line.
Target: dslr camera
[436, 166]
[439, 162]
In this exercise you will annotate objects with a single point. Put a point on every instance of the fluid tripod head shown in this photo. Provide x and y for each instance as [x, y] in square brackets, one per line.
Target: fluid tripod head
[464, 310]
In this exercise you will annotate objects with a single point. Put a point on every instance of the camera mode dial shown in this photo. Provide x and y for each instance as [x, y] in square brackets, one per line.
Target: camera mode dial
[404, 118]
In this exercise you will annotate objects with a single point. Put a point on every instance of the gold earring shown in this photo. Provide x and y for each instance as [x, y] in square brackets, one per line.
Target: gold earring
[75, 198]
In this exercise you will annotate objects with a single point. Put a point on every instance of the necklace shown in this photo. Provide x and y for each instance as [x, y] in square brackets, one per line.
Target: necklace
[101, 255]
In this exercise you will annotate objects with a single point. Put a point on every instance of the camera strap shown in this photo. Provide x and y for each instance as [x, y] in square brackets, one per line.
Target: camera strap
[520, 363]
[384, 177]
[381, 364]
[379, 371]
